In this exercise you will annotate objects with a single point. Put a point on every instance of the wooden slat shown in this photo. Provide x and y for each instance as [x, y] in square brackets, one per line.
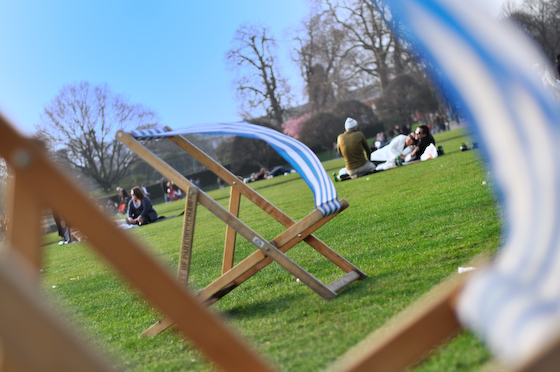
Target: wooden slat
[297, 271]
[229, 245]
[10, 364]
[24, 232]
[256, 261]
[33, 338]
[296, 229]
[547, 360]
[343, 281]
[188, 236]
[24, 215]
[251, 265]
[136, 264]
[410, 336]
[326, 251]
[158, 327]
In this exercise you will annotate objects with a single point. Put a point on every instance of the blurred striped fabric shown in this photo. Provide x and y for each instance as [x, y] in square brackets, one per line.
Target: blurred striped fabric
[483, 64]
[304, 161]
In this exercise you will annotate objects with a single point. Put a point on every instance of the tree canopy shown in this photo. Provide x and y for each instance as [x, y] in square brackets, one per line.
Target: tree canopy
[404, 95]
[320, 131]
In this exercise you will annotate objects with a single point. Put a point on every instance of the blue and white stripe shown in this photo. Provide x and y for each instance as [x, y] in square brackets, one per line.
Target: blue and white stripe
[515, 302]
[304, 161]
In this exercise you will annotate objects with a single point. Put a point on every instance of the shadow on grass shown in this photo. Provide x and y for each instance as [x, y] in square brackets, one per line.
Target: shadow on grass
[262, 308]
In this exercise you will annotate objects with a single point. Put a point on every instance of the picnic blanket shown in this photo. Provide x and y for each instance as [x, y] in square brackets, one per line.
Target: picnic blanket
[123, 225]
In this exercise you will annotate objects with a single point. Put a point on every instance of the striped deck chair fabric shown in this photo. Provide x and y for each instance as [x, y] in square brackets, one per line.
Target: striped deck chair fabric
[299, 156]
[486, 66]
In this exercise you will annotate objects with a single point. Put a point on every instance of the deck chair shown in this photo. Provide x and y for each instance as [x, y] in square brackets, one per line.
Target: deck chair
[513, 303]
[306, 164]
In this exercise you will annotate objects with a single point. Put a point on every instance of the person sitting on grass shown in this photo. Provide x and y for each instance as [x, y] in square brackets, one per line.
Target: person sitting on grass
[124, 198]
[351, 145]
[173, 191]
[140, 209]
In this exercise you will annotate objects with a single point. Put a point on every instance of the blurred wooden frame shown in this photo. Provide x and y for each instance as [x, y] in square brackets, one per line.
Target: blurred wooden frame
[35, 184]
[268, 251]
[34, 340]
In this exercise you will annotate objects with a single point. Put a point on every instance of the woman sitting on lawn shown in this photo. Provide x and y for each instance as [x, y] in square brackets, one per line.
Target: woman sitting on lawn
[140, 210]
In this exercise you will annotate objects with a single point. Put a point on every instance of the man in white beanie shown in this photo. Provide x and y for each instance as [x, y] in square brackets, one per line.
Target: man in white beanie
[351, 145]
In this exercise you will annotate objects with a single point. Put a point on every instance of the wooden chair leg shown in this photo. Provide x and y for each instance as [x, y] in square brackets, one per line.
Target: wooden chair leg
[188, 235]
[35, 340]
[229, 245]
[24, 228]
[23, 235]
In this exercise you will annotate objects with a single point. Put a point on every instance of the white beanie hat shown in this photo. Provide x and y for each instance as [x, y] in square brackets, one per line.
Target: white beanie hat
[350, 124]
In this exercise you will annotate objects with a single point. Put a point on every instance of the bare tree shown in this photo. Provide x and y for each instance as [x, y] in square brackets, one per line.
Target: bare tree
[258, 82]
[82, 120]
[253, 152]
[541, 20]
[371, 39]
[324, 57]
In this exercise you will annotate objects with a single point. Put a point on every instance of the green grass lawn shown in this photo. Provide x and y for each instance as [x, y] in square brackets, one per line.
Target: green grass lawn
[406, 228]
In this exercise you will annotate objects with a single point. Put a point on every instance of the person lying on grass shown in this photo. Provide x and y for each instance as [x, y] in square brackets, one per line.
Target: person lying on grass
[140, 209]
[399, 147]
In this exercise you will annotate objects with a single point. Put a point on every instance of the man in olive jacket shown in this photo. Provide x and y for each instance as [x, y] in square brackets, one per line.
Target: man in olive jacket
[351, 145]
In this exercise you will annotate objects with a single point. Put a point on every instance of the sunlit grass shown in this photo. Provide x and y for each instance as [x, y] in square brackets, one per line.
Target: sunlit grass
[406, 228]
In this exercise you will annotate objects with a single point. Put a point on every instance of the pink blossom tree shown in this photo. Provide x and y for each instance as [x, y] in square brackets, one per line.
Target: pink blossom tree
[293, 125]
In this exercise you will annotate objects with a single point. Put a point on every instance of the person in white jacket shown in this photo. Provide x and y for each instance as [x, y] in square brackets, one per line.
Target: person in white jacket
[399, 147]
[551, 84]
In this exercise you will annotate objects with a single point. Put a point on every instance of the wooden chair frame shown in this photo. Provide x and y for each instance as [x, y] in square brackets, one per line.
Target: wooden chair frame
[31, 167]
[268, 251]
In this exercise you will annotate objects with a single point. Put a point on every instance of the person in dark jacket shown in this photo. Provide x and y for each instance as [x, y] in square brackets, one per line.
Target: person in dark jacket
[140, 209]
[124, 198]
[424, 138]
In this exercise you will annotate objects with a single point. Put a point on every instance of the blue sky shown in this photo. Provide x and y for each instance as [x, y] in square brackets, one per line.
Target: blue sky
[166, 55]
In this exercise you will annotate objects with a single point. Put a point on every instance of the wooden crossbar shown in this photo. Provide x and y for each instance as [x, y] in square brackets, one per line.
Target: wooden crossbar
[411, 335]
